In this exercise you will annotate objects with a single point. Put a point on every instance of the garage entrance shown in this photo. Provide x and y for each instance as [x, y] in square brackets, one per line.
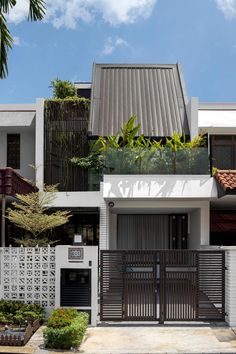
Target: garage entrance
[162, 285]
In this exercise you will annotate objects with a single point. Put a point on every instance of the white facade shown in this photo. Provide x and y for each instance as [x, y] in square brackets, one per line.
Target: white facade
[155, 194]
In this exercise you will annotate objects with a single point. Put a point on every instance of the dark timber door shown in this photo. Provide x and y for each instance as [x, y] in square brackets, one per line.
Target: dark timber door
[164, 285]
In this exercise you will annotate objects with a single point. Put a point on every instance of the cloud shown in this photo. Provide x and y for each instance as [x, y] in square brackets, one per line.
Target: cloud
[67, 13]
[17, 41]
[112, 43]
[228, 7]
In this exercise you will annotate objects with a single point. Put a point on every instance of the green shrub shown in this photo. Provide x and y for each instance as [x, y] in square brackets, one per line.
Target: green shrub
[62, 317]
[63, 88]
[71, 334]
[15, 312]
[22, 316]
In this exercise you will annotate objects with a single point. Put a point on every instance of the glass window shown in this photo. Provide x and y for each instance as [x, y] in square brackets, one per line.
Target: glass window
[13, 150]
[223, 151]
[222, 157]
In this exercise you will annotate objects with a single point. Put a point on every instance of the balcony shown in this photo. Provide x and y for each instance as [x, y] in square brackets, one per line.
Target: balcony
[164, 161]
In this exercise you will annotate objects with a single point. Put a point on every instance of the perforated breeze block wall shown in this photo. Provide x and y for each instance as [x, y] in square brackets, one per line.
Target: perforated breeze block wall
[28, 274]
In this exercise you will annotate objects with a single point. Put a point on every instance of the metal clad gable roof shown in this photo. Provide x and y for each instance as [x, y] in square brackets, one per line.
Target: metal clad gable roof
[152, 92]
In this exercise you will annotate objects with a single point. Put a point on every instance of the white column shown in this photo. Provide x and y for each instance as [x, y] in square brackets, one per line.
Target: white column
[230, 286]
[103, 223]
[192, 113]
[205, 223]
[104, 227]
[39, 142]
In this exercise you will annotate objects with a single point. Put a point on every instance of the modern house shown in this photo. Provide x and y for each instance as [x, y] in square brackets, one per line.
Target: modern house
[162, 233]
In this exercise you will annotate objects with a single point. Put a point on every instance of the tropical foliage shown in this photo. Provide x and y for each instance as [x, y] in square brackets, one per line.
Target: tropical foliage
[36, 13]
[130, 153]
[63, 88]
[30, 212]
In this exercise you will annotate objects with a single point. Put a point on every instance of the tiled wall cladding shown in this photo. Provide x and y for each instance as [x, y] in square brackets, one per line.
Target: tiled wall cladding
[28, 274]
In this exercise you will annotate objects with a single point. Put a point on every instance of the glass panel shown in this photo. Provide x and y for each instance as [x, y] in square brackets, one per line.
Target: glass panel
[161, 161]
[222, 157]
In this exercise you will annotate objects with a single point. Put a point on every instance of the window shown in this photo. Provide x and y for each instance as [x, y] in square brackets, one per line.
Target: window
[223, 151]
[13, 150]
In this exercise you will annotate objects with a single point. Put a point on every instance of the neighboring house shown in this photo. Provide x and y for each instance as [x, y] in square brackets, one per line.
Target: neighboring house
[134, 211]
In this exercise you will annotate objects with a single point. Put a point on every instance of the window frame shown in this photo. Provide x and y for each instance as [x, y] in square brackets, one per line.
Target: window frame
[221, 140]
[14, 150]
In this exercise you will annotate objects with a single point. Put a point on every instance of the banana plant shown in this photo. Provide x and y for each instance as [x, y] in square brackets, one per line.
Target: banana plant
[127, 151]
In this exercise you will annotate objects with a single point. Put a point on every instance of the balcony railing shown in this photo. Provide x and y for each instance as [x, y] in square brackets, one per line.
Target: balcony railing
[157, 162]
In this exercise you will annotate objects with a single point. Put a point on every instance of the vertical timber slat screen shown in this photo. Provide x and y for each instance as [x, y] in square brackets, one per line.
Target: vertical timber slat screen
[66, 130]
[164, 285]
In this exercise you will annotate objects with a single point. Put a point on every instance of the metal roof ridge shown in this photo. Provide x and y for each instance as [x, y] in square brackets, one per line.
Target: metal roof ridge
[172, 65]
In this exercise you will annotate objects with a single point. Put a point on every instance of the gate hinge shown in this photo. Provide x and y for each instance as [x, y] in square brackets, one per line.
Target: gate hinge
[226, 268]
[226, 313]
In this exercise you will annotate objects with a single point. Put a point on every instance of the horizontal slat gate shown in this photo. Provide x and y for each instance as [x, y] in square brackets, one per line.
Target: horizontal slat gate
[165, 285]
[112, 285]
[211, 276]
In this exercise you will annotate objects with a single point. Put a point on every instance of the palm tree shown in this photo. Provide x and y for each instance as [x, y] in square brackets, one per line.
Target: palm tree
[36, 13]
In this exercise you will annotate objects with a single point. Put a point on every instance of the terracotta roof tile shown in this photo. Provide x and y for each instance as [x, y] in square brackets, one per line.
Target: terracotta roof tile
[227, 180]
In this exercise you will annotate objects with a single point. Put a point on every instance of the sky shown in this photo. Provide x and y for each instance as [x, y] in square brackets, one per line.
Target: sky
[199, 34]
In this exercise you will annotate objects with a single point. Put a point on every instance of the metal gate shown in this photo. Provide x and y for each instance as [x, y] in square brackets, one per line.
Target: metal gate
[162, 285]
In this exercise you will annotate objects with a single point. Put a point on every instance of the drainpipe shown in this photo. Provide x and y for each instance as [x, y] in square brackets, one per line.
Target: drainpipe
[3, 220]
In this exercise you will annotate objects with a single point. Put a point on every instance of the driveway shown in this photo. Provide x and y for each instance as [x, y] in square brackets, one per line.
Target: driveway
[148, 339]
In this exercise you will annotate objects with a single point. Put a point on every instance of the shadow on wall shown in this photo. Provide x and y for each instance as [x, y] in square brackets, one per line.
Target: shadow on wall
[159, 187]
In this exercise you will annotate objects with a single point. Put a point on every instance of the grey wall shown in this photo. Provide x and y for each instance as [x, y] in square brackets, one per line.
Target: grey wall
[27, 150]
[194, 239]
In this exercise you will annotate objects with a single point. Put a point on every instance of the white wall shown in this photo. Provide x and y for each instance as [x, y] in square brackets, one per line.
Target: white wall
[159, 186]
[19, 119]
[39, 142]
[90, 254]
[217, 118]
[77, 199]
[27, 150]
[230, 285]
[192, 113]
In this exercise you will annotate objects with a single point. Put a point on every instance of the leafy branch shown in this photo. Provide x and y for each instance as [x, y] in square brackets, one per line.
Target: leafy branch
[36, 13]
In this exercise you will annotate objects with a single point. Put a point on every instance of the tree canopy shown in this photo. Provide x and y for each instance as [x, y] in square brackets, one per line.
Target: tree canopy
[30, 212]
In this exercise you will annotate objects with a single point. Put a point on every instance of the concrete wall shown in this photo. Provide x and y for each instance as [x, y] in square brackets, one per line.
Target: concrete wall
[39, 142]
[19, 119]
[27, 150]
[194, 237]
[217, 118]
[192, 113]
[89, 261]
[159, 186]
[77, 199]
[230, 285]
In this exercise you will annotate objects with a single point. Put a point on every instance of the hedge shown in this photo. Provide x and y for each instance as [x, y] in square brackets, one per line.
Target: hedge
[16, 312]
[65, 329]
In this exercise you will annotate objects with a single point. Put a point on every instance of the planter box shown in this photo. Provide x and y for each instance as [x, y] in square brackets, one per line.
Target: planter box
[18, 338]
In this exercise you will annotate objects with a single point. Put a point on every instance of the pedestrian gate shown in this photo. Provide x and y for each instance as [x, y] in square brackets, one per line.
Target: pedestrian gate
[162, 285]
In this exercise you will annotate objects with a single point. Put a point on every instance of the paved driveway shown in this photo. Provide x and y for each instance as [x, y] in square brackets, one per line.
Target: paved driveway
[124, 339]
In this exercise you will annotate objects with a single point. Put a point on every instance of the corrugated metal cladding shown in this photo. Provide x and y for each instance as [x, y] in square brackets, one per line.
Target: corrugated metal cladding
[154, 93]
